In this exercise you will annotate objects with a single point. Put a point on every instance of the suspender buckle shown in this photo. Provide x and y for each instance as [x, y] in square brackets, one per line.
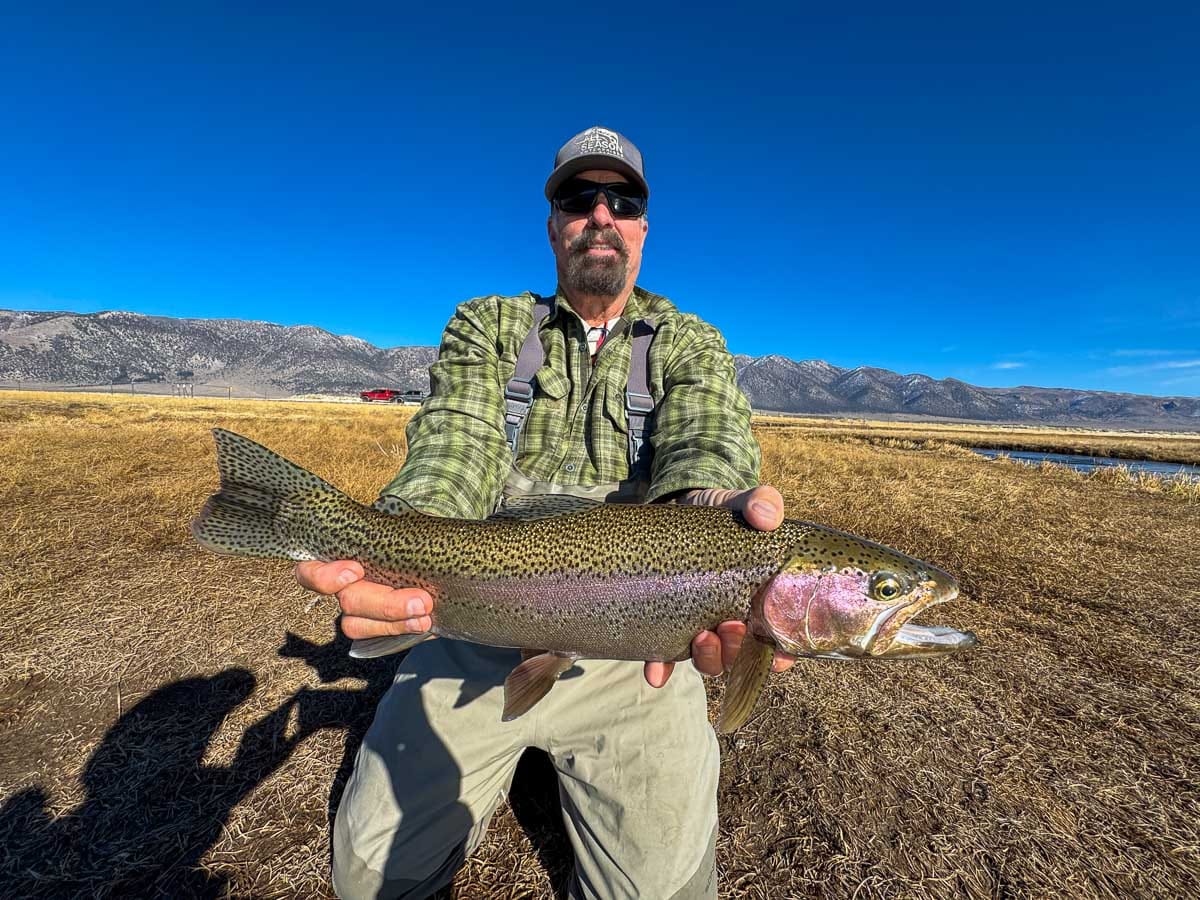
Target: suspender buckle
[520, 391]
[518, 397]
[638, 403]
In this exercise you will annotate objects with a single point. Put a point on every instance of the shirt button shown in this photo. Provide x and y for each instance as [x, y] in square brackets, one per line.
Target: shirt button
[570, 467]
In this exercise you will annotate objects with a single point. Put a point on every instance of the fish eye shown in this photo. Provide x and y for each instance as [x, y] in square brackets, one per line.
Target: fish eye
[886, 587]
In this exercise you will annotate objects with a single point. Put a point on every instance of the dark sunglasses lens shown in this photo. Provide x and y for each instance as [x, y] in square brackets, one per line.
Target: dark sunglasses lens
[622, 205]
[625, 200]
[574, 197]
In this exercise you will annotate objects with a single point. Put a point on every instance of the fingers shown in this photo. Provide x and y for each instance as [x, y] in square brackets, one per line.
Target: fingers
[657, 673]
[357, 628]
[782, 662]
[714, 652]
[707, 654]
[375, 610]
[368, 609]
[328, 577]
[367, 600]
[731, 634]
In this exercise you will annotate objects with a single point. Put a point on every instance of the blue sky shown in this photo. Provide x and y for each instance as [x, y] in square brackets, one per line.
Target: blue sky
[1007, 194]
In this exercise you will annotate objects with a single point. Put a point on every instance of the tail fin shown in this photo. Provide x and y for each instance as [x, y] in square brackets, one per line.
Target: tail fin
[267, 506]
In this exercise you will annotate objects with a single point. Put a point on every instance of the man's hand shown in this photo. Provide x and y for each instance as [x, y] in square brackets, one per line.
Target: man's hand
[713, 652]
[368, 609]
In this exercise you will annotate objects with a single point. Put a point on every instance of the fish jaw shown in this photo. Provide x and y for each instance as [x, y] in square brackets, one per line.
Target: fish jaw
[927, 640]
[836, 614]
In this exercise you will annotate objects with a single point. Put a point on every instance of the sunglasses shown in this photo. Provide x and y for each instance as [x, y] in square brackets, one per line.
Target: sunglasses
[577, 196]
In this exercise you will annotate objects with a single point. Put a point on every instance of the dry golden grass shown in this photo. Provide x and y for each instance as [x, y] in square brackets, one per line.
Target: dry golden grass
[178, 724]
[1160, 446]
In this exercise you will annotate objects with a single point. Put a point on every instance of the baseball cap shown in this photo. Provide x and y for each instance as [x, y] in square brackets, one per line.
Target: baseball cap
[597, 148]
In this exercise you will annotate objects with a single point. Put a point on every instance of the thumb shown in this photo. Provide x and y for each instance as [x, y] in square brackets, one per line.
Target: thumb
[762, 507]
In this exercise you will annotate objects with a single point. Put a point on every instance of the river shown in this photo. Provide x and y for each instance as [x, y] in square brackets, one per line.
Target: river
[1090, 463]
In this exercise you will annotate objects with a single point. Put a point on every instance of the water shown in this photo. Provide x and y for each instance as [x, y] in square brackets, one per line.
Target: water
[1091, 463]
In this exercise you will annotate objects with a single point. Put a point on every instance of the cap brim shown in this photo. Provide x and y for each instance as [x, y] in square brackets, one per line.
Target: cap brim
[579, 164]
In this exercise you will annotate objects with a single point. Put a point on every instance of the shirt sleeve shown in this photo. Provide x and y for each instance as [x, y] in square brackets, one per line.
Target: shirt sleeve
[701, 435]
[458, 456]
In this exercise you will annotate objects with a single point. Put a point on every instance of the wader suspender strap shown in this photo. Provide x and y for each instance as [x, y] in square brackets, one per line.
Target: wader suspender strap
[638, 402]
[518, 393]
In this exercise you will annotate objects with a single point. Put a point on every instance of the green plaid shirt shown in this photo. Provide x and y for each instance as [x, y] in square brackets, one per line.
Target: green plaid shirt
[576, 431]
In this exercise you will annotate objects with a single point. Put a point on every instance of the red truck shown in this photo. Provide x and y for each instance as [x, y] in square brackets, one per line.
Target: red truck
[385, 395]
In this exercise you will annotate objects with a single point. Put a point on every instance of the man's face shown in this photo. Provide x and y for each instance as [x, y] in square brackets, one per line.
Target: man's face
[596, 253]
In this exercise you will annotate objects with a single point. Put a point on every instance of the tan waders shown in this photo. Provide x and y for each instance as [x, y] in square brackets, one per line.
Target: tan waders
[637, 770]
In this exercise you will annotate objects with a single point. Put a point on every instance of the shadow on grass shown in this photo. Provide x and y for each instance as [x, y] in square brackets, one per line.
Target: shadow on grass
[153, 808]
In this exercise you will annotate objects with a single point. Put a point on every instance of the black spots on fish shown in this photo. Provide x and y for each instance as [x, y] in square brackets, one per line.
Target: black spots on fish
[268, 506]
[393, 506]
[243, 461]
[836, 550]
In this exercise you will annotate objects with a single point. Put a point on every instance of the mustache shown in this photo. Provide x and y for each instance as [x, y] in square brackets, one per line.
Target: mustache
[592, 237]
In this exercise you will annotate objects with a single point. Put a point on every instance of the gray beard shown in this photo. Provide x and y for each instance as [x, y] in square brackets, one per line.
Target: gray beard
[601, 277]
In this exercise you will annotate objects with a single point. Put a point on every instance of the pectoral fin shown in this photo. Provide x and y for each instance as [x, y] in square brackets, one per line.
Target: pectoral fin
[531, 681]
[745, 682]
[369, 648]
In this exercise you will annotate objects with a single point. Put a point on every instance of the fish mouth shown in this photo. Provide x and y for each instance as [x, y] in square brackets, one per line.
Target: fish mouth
[910, 640]
[929, 640]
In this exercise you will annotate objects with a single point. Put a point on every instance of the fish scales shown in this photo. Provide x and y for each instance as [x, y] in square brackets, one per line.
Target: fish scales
[611, 581]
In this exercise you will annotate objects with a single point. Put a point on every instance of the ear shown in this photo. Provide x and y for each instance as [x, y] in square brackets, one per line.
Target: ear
[551, 231]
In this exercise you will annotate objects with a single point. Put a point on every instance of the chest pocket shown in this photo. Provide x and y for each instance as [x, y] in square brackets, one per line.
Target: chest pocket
[614, 401]
[549, 398]
[551, 384]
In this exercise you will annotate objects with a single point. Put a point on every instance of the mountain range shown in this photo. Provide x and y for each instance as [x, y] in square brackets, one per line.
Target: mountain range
[813, 386]
[46, 349]
[257, 359]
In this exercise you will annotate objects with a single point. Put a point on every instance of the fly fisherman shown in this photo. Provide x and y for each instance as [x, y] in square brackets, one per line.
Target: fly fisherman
[607, 391]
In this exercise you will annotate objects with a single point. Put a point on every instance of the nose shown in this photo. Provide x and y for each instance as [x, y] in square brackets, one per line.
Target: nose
[601, 215]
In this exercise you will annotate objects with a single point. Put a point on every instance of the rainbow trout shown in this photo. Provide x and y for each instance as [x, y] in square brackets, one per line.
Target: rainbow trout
[572, 578]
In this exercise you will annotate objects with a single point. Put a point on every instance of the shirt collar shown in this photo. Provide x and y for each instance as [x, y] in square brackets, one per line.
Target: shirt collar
[636, 307]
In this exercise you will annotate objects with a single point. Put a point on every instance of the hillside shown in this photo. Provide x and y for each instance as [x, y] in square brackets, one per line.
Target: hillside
[268, 360]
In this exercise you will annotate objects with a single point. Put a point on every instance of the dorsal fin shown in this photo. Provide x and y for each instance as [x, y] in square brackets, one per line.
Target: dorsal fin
[543, 506]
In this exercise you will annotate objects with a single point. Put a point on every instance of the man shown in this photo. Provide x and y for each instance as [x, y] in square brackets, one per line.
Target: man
[637, 759]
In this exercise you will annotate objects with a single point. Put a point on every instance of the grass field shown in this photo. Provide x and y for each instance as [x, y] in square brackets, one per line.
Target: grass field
[179, 724]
